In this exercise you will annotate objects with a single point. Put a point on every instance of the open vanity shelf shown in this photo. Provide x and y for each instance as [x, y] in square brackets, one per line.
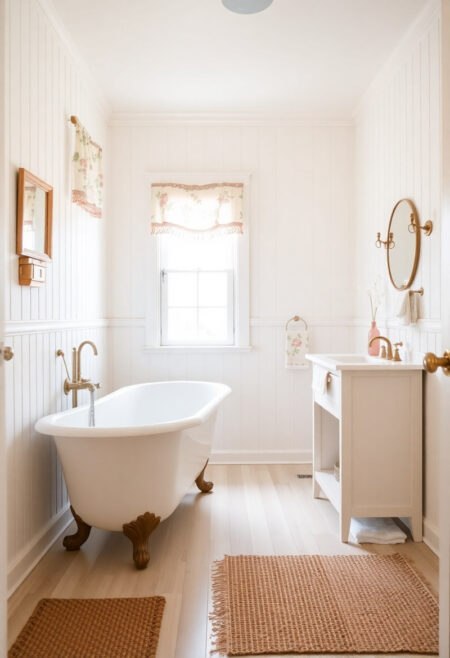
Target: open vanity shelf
[367, 418]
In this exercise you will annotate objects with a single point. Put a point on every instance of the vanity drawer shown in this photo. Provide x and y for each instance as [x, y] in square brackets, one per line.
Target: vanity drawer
[327, 396]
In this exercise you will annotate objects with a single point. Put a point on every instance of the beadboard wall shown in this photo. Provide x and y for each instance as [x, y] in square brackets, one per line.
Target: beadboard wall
[301, 261]
[46, 86]
[397, 154]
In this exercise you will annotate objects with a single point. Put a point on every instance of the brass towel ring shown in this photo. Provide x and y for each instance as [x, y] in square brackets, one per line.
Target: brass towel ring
[296, 318]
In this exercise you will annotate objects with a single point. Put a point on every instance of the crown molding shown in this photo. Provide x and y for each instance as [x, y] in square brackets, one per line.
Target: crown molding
[224, 119]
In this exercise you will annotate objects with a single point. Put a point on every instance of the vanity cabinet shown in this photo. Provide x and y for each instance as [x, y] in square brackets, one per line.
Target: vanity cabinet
[367, 418]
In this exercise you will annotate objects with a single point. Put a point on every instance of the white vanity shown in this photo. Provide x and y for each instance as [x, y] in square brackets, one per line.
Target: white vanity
[368, 419]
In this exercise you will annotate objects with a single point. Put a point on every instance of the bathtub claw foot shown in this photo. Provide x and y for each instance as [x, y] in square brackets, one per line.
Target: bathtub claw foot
[75, 541]
[138, 532]
[202, 484]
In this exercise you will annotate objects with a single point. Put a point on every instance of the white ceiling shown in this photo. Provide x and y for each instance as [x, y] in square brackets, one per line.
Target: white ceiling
[311, 57]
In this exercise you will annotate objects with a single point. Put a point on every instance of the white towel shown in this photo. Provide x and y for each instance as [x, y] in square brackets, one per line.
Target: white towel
[376, 531]
[408, 311]
[296, 348]
[320, 380]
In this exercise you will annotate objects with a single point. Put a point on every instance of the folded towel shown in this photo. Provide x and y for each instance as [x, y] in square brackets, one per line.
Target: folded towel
[376, 531]
[414, 302]
[296, 348]
[320, 380]
[408, 311]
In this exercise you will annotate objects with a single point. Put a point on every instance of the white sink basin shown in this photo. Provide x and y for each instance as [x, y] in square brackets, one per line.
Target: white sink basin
[361, 362]
[353, 358]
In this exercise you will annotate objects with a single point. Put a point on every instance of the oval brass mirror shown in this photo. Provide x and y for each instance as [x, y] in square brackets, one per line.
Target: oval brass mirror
[403, 250]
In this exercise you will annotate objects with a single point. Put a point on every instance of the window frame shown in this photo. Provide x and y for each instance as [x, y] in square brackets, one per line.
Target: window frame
[153, 320]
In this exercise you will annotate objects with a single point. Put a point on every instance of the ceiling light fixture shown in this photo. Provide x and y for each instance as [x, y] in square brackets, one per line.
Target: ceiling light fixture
[246, 6]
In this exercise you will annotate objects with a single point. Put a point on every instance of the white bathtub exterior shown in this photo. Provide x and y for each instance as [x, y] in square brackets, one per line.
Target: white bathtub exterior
[149, 444]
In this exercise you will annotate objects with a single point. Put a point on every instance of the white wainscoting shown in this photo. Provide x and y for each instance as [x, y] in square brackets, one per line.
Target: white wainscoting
[46, 86]
[37, 497]
[268, 416]
[397, 154]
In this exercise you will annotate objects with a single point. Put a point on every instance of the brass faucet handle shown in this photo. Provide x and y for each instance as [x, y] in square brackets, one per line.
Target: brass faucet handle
[88, 381]
[383, 352]
[397, 356]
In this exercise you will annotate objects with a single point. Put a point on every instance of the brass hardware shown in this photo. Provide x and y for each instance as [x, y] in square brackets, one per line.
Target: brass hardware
[417, 292]
[7, 353]
[427, 228]
[383, 352]
[388, 244]
[296, 318]
[77, 383]
[431, 362]
[397, 356]
[402, 278]
[61, 354]
[389, 356]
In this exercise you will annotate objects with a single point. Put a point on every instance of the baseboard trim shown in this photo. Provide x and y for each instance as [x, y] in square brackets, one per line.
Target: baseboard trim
[261, 457]
[431, 536]
[35, 550]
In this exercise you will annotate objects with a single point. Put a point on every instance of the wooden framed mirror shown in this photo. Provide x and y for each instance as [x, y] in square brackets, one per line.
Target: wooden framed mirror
[403, 249]
[34, 217]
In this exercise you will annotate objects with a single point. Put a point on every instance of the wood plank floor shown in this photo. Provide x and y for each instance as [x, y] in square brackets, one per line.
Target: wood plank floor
[254, 509]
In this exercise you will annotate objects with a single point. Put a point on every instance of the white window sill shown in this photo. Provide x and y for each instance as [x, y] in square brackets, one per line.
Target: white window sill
[196, 349]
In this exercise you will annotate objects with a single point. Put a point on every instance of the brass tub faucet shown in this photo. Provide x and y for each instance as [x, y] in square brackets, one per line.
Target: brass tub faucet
[389, 355]
[77, 382]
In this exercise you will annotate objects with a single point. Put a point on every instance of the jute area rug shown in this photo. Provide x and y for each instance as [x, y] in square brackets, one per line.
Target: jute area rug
[91, 628]
[322, 604]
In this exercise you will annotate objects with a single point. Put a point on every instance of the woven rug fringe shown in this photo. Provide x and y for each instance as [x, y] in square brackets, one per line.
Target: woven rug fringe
[219, 615]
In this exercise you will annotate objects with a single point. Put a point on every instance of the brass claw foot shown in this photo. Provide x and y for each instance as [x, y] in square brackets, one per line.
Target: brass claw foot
[75, 541]
[202, 484]
[138, 532]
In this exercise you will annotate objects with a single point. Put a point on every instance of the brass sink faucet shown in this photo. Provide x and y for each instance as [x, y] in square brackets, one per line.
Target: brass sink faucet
[389, 356]
[76, 382]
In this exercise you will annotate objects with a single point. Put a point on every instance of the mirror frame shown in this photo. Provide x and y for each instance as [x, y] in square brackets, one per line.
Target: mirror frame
[415, 221]
[25, 176]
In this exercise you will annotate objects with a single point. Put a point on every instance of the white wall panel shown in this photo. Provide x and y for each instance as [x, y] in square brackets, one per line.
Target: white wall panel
[46, 87]
[300, 260]
[398, 155]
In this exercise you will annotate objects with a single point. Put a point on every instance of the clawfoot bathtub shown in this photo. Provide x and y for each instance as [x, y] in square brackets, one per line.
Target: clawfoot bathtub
[129, 472]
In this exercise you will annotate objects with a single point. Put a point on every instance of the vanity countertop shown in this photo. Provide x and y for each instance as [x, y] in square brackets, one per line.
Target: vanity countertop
[336, 362]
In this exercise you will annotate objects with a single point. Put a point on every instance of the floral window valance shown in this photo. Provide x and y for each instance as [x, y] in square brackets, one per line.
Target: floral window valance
[201, 209]
[87, 174]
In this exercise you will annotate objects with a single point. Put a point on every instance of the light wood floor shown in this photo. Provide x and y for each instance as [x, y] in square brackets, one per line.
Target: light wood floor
[253, 510]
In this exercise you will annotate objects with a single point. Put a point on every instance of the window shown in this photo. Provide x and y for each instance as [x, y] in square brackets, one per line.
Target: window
[199, 287]
[197, 279]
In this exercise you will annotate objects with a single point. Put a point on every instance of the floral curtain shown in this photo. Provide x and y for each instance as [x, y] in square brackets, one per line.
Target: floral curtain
[87, 174]
[197, 209]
